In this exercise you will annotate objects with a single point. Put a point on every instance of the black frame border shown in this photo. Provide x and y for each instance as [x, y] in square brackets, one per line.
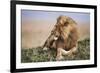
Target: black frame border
[13, 35]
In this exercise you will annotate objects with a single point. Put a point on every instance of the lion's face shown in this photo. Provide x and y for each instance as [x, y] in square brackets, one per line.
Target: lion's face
[55, 32]
[52, 38]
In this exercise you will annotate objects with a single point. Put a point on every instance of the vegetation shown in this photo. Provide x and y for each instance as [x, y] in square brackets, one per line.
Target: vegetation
[38, 55]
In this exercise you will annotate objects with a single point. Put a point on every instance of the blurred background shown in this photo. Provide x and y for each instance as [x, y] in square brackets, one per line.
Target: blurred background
[36, 25]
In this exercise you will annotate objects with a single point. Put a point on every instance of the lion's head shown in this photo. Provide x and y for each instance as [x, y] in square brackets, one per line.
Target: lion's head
[64, 30]
[65, 20]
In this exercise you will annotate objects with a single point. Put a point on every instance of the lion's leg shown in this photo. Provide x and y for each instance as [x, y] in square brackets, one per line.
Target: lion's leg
[44, 47]
[72, 51]
[64, 52]
[59, 54]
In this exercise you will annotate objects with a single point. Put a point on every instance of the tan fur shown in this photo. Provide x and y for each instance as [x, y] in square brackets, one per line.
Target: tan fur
[67, 33]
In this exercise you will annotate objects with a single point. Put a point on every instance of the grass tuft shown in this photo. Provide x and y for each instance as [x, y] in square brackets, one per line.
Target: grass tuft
[38, 55]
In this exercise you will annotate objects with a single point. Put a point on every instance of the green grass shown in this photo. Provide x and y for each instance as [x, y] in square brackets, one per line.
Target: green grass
[38, 55]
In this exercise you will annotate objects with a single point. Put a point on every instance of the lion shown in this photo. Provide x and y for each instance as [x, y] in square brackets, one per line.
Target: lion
[63, 37]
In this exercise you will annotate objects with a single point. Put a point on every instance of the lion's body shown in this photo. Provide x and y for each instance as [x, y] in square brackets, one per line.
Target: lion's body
[66, 32]
[69, 42]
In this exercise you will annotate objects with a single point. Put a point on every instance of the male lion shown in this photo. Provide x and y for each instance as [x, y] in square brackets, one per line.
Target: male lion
[64, 37]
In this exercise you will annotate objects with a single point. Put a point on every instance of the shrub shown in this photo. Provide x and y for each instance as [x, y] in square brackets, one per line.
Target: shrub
[38, 55]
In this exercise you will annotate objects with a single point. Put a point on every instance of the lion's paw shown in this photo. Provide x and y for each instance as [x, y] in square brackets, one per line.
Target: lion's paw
[59, 58]
[45, 48]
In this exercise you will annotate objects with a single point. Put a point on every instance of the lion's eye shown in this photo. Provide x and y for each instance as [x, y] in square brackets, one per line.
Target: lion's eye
[51, 32]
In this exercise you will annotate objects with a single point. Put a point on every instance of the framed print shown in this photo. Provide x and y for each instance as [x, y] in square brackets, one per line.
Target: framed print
[52, 36]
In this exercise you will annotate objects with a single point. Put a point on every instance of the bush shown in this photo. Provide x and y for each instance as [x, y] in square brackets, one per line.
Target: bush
[38, 55]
